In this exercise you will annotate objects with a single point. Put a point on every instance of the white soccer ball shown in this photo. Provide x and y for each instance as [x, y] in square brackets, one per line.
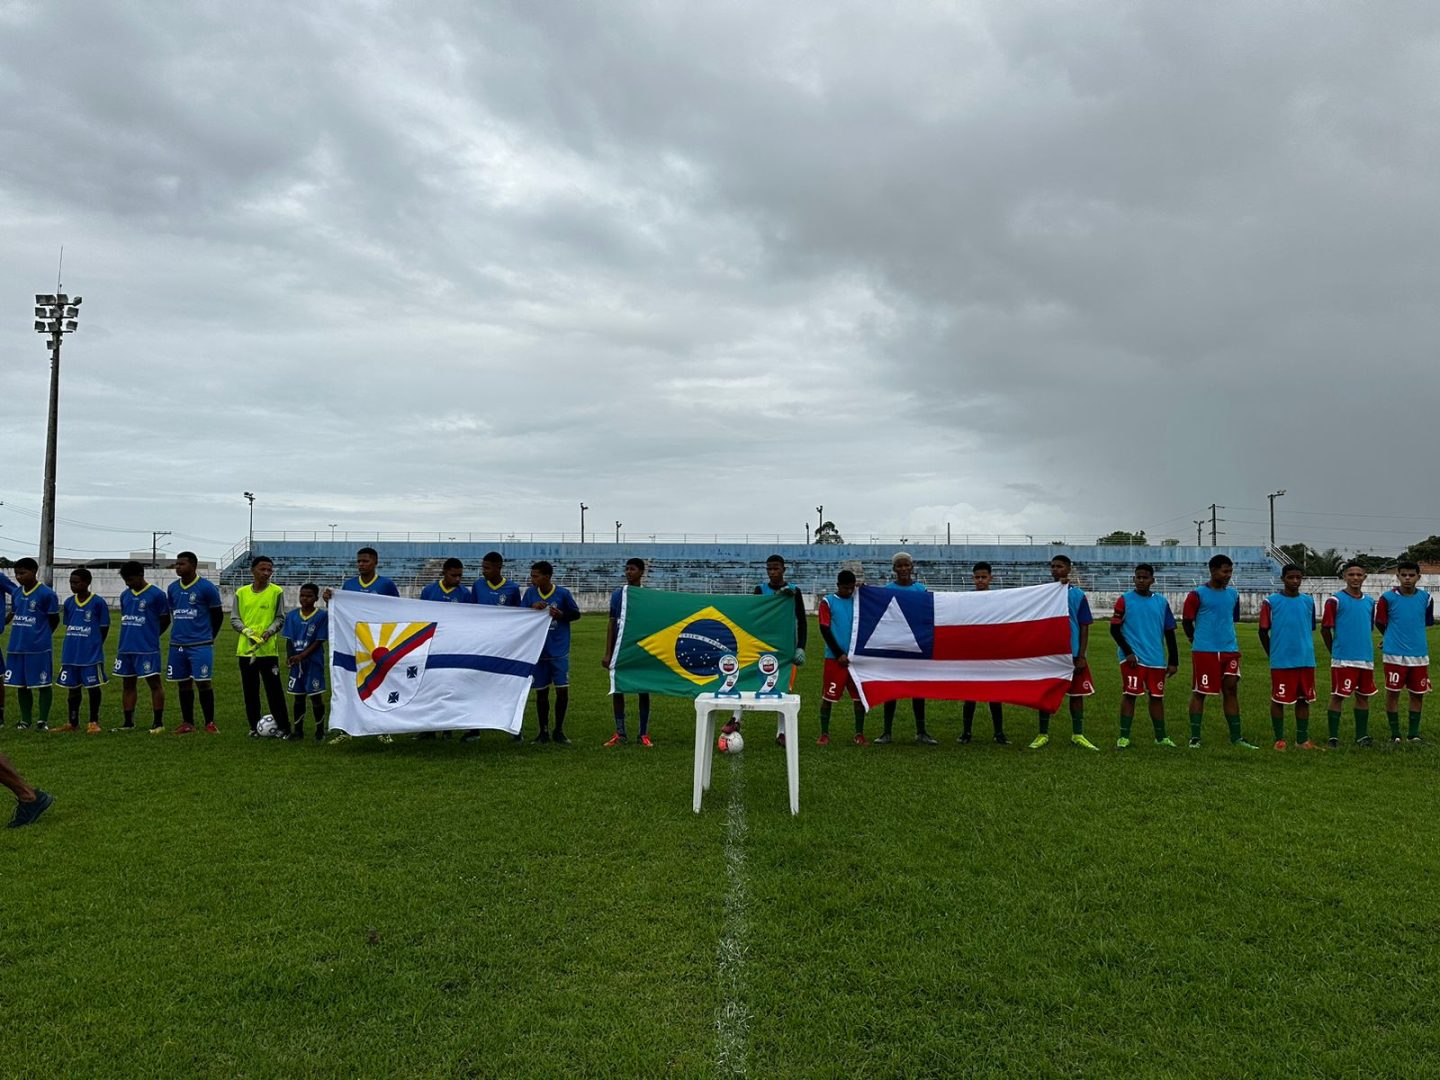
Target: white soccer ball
[267, 727]
[732, 743]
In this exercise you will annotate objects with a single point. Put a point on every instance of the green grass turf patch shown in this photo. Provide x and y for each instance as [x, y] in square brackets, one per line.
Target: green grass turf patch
[221, 907]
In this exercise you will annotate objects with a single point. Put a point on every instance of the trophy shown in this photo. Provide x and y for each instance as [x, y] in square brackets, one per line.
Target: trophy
[770, 668]
[729, 667]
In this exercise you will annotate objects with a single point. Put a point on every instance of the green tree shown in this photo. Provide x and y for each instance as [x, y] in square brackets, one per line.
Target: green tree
[1425, 551]
[1295, 553]
[1325, 563]
[827, 533]
[1373, 563]
[1120, 536]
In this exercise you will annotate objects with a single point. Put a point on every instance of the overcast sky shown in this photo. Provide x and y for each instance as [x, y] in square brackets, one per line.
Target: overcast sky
[1047, 268]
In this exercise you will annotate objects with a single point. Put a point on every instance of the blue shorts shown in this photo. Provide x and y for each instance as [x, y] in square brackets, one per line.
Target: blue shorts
[29, 669]
[190, 662]
[76, 675]
[130, 664]
[310, 677]
[551, 671]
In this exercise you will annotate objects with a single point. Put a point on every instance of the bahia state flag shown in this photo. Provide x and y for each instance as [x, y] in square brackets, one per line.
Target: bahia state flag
[1007, 645]
[672, 643]
[411, 665]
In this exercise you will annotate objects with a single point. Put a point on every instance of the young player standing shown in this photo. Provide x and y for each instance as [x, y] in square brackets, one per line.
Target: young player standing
[1287, 634]
[307, 628]
[1403, 614]
[1081, 685]
[492, 586]
[1208, 619]
[837, 618]
[635, 579]
[258, 617]
[144, 616]
[367, 577]
[774, 584]
[1348, 628]
[196, 612]
[82, 650]
[34, 615]
[449, 589]
[982, 574]
[554, 667]
[1144, 629]
[903, 567]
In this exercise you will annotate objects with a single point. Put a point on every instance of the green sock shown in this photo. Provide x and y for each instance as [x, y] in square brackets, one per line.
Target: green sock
[824, 718]
[1393, 717]
[1332, 723]
[1414, 722]
[1159, 726]
[1044, 723]
[1233, 723]
[1125, 724]
[1278, 724]
[1195, 719]
[47, 697]
[1362, 724]
[27, 705]
[1077, 721]
[1302, 728]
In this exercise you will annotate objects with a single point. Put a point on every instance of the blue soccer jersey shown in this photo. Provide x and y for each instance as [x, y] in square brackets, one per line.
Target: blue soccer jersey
[1079, 616]
[1351, 620]
[140, 617]
[1291, 622]
[1404, 619]
[30, 630]
[1144, 620]
[85, 624]
[557, 641]
[190, 607]
[300, 632]
[437, 592]
[7, 587]
[505, 594]
[617, 599]
[914, 586]
[381, 586]
[1214, 613]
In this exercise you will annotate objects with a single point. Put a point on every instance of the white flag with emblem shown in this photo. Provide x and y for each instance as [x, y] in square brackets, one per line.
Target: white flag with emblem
[402, 666]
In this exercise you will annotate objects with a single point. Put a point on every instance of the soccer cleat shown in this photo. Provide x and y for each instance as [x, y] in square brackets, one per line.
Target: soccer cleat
[615, 740]
[559, 738]
[92, 729]
[22, 725]
[386, 739]
[185, 729]
[1395, 740]
[1000, 739]
[731, 726]
[1281, 745]
[1245, 744]
[1166, 741]
[1414, 740]
[338, 737]
[1194, 743]
[860, 740]
[926, 739]
[965, 739]
[128, 725]
[211, 729]
[64, 728]
[645, 742]
[1366, 741]
[41, 725]
[157, 729]
[883, 740]
[27, 812]
[780, 738]
[1332, 744]
[1084, 743]
[1042, 741]
[1122, 743]
[1306, 745]
[823, 740]
[543, 737]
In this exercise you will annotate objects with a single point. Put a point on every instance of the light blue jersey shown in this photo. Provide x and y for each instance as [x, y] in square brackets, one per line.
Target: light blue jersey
[1351, 620]
[1214, 613]
[1404, 619]
[1144, 620]
[1291, 622]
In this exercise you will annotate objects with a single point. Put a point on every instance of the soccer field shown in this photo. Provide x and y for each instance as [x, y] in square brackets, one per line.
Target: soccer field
[221, 907]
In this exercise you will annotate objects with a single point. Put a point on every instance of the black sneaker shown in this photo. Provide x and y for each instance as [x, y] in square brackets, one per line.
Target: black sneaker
[41, 725]
[1414, 740]
[1333, 744]
[319, 733]
[883, 740]
[544, 736]
[128, 725]
[1000, 739]
[22, 725]
[926, 739]
[27, 812]
[965, 738]
[559, 738]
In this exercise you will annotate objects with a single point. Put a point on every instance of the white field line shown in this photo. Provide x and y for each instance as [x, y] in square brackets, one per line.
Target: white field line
[732, 1017]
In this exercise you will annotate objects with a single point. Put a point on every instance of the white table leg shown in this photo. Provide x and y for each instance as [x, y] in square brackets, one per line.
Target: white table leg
[710, 737]
[792, 759]
[702, 739]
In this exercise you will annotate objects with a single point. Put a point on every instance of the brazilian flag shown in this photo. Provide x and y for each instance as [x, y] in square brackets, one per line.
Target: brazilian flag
[672, 643]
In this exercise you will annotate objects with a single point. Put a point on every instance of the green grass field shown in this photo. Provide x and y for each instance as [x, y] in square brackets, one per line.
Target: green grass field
[220, 907]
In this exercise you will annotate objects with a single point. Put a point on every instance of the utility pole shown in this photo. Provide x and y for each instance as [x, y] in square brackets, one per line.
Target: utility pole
[55, 315]
[1198, 526]
[807, 534]
[583, 508]
[1272, 497]
[250, 536]
[155, 546]
[333, 524]
[1215, 525]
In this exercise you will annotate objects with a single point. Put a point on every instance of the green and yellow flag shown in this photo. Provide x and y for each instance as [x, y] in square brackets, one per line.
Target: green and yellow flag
[673, 643]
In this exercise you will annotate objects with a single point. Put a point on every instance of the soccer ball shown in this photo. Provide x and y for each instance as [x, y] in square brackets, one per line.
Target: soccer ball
[267, 727]
[732, 743]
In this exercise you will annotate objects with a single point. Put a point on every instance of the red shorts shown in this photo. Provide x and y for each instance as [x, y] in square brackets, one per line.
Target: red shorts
[1415, 679]
[835, 681]
[1289, 685]
[1345, 681]
[1138, 680]
[1208, 668]
[1081, 685]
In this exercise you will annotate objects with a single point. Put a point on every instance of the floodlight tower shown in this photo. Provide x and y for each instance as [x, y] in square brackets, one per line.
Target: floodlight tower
[1272, 497]
[55, 316]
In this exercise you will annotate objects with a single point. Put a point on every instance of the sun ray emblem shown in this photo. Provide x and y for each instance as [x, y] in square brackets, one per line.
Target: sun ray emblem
[389, 660]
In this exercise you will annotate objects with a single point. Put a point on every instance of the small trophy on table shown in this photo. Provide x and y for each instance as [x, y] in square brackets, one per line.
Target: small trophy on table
[729, 666]
[770, 668]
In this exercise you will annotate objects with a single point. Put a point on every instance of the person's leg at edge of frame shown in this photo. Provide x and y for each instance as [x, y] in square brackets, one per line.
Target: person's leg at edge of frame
[30, 802]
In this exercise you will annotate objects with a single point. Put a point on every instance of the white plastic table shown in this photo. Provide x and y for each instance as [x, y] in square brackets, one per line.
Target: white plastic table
[707, 705]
